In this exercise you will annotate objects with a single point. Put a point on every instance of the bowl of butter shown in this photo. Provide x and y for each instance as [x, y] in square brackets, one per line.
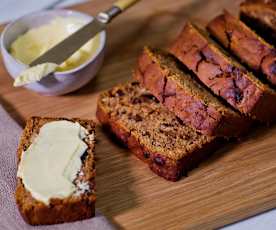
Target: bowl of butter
[25, 39]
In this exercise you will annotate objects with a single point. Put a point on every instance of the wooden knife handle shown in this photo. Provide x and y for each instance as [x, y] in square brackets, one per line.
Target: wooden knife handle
[124, 4]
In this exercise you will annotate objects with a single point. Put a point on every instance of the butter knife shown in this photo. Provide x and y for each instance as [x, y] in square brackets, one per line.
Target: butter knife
[66, 48]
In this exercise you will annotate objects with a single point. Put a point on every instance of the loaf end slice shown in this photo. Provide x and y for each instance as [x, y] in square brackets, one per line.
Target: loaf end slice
[223, 75]
[245, 44]
[260, 15]
[78, 206]
[154, 134]
[176, 89]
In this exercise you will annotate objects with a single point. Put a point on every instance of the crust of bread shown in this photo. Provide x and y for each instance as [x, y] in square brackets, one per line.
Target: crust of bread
[75, 207]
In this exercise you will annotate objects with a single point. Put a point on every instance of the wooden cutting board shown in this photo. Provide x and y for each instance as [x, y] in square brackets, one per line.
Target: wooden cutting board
[237, 182]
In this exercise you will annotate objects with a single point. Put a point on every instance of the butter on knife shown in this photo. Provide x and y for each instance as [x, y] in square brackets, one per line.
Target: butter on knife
[35, 73]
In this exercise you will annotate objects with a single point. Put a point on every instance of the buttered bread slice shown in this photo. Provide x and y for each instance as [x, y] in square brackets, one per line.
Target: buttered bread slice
[56, 171]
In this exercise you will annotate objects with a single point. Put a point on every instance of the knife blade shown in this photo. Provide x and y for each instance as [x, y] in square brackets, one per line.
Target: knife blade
[66, 48]
[63, 50]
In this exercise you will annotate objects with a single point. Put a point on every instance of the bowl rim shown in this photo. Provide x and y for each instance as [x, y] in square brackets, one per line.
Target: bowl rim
[71, 13]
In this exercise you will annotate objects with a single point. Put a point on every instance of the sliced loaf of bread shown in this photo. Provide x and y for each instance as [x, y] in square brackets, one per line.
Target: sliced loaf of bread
[223, 75]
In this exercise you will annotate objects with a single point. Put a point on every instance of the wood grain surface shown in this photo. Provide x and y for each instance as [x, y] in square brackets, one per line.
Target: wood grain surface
[237, 182]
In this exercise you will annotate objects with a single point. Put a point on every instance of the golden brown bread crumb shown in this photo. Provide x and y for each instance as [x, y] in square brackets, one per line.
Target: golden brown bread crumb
[153, 133]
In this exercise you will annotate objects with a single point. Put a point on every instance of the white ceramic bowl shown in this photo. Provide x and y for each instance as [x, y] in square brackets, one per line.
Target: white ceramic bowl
[60, 82]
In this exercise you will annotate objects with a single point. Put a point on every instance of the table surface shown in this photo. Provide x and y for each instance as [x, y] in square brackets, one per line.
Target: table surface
[9, 12]
[153, 21]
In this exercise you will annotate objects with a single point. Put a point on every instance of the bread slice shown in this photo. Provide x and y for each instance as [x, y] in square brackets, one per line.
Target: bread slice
[154, 134]
[261, 16]
[177, 90]
[223, 75]
[245, 44]
[81, 204]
